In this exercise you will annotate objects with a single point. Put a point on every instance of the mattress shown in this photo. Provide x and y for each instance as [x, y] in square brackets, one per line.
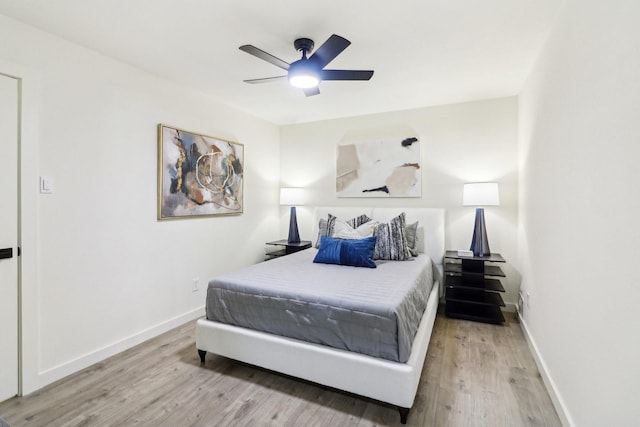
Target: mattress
[370, 311]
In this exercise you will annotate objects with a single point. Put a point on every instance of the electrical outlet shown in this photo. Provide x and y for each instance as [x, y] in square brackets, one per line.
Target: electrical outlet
[520, 304]
[196, 284]
[528, 300]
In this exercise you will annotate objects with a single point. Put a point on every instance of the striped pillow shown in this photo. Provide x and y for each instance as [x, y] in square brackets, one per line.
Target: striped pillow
[392, 240]
[326, 226]
[353, 223]
[343, 230]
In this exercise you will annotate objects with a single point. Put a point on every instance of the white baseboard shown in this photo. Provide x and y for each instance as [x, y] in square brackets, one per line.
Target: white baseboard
[58, 372]
[557, 400]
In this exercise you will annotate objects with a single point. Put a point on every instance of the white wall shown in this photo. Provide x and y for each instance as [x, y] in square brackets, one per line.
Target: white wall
[579, 211]
[459, 143]
[108, 273]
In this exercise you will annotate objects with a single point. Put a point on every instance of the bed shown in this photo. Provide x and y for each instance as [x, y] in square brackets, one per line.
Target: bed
[390, 377]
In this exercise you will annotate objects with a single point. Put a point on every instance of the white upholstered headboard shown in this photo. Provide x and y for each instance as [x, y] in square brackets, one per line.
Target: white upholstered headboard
[430, 220]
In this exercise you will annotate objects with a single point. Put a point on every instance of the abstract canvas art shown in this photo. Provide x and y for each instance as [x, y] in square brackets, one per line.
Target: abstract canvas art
[389, 168]
[198, 175]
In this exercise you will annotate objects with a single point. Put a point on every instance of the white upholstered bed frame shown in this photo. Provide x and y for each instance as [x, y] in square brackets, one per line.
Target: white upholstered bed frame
[383, 380]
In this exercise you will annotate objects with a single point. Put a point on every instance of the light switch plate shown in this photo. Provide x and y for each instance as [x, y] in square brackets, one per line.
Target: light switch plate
[46, 184]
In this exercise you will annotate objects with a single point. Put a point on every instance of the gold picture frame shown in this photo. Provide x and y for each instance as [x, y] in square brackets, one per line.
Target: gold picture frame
[198, 175]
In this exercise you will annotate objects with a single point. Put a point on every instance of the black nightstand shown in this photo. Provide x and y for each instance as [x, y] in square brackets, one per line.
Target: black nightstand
[473, 287]
[287, 248]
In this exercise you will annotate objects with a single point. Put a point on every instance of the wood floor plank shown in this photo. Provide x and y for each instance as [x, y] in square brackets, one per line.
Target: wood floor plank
[475, 374]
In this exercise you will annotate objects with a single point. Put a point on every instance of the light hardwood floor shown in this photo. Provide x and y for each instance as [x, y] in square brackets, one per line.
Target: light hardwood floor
[475, 375]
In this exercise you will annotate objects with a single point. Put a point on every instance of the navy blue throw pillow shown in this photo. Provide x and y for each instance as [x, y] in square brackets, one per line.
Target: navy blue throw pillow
[356, 253]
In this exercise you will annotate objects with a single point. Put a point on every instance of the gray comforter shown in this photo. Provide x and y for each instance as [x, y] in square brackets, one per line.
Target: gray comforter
[370, 311]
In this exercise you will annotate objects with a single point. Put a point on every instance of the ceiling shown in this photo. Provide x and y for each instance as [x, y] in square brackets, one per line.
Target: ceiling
[424, 52]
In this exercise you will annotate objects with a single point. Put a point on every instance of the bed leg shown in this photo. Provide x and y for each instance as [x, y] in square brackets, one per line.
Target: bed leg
[202, 354]
[404, 413]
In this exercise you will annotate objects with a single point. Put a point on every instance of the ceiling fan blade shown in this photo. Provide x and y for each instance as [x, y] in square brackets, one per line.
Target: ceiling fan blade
[312, 91]
[346, 74]
[266, 80]
[328, 51]
[252, 50]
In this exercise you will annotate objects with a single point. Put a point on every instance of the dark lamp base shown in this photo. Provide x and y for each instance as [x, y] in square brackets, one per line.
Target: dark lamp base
[480, 243]
[294, 236]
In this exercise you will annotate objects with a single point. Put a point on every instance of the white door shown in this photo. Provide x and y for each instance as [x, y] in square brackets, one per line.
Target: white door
[8, 237]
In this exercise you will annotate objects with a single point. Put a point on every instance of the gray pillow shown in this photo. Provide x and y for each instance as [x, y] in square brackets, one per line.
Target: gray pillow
[322, 231]
[411, 231]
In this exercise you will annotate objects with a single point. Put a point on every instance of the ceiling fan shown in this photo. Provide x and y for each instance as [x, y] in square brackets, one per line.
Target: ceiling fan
[307, 72]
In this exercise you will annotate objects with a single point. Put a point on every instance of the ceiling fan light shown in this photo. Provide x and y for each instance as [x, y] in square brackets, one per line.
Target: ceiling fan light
[304, 81]
[302, 75]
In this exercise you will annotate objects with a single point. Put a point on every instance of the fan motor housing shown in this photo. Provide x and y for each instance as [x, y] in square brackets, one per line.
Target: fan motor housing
[303, 44]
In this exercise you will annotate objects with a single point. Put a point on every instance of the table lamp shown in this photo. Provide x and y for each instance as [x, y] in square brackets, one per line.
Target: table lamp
[291, 197]
[480, 194]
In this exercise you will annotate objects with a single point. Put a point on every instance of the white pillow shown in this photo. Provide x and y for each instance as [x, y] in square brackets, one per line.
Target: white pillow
[342, 230]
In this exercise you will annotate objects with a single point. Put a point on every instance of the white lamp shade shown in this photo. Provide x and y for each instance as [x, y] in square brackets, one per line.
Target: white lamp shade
[480, 194]
[292, 196]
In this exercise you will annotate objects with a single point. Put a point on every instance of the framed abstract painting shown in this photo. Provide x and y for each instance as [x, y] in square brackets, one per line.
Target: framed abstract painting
[389, 168]
[198, 175]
